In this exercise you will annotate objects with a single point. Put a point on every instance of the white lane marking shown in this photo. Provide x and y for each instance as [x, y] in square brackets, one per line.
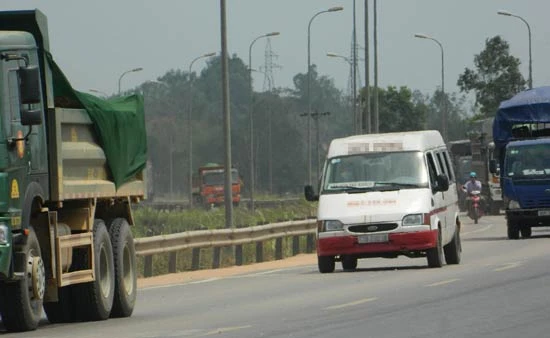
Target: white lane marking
[508, 266]
[444, 282]
[478, 230]
[357, 302]
[225, 329]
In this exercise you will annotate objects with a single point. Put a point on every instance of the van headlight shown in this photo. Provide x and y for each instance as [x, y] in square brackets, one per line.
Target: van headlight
[4, 234]
[513, 205]
[332, 226]
[415, 219]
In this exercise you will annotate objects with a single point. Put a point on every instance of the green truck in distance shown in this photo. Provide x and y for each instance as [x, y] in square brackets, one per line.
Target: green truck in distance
[71, 166]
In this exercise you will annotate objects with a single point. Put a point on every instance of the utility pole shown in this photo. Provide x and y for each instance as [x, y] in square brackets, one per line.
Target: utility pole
[367, 112]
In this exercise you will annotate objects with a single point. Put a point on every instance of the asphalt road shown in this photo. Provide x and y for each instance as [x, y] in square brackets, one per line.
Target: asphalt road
[501, 289]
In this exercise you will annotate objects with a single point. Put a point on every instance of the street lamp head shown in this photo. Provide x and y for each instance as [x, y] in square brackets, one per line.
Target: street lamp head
[335, 9]
[139, 69]
[272, 34]
[503, 12]
[421, 36]
[333, 55]
[209, 54]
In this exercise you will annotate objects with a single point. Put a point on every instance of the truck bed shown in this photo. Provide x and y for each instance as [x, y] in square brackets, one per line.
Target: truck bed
[79, 166]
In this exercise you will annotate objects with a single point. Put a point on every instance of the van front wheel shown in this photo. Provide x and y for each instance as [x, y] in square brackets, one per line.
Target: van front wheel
[326, 264]
[435, 255]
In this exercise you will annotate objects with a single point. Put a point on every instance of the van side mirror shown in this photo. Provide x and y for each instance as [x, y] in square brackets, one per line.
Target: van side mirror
[29, 85]
[442, 183]
[310, 194]
[493, 166]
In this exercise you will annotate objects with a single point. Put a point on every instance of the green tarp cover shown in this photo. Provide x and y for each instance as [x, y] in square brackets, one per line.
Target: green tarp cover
[119, 123]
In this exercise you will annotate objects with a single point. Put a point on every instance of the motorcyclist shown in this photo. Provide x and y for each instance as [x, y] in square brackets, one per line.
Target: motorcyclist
[471, 185]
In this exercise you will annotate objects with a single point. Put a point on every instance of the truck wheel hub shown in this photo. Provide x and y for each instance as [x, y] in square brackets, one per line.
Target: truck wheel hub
[38, 276]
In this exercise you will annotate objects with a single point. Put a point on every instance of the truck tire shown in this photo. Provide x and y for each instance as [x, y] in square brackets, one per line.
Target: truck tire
[453, 250]
[525, 232]
[94, 300]
[435, 255]
[326, 264]
[124, 256]
[21, 301]
[513, 230]
[62, 311]
[349, 263]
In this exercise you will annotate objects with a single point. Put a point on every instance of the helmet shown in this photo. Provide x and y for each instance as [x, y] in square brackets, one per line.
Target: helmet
[473, 174]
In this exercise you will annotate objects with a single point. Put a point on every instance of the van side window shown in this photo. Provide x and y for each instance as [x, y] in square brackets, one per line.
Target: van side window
[444, 170]
[432, 170]
[449, 166]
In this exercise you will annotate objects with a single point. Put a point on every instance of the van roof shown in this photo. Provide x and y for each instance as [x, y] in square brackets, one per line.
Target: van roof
[388, 142]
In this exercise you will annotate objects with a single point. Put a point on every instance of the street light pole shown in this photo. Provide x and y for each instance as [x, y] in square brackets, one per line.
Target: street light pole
[354, 93]
[444, 115]
[189, 121]
[308, 116]
[139, 69]
[506, 13]
[251, 116]
[228, 182]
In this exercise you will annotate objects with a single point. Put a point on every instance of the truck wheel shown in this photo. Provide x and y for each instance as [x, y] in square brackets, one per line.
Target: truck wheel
[513, 231]
[453, 250]
[326, 264]
[124, 254]
[62, 311]
[525, 232]
[495, 209]
[94, 300]
[21, 301]
[435, 255]
[349, 263]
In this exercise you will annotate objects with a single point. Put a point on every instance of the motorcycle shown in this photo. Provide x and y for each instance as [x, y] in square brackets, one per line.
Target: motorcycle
[474, 210]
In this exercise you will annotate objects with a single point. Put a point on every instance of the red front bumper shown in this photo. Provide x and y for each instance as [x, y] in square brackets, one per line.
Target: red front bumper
[403, 241]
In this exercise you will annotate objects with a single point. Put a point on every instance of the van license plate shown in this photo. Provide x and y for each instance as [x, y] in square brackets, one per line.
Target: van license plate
[372, 238]
[544, 212]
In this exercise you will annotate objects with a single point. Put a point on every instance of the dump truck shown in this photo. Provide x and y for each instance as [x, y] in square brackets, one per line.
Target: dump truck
[208, 186]
[461, 156]
[483, 153]
[71, 166]
[521, 132]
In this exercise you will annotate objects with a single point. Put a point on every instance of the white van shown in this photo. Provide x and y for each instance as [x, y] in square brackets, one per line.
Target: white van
[385, 195]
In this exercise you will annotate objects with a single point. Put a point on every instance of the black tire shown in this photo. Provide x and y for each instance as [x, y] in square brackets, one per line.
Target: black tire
[124, 256]
[453, 250]
[349, 263]
[94, 300]
[476, 215]
[62, 311]
[326, 264]
[435, 255]
[21, 301]
[526, 232]
[513, 231]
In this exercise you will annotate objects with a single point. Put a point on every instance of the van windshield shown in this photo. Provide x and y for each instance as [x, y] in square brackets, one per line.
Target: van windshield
[375, 171]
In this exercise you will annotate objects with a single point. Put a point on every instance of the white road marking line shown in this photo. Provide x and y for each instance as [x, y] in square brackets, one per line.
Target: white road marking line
[444, 282]
[478, 230]
[357, 302]
[225, 329]
[508, 266]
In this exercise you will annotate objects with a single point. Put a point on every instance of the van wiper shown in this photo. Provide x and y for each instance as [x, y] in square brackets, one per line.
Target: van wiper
[401, 185]
[356, 190]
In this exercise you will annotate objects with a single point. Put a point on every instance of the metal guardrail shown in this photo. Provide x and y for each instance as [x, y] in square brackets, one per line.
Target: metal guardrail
[217, 239]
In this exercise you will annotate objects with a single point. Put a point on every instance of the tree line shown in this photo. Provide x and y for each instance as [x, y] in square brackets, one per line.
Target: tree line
[280, 123]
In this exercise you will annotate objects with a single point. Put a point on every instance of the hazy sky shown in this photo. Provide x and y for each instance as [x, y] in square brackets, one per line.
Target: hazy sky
[94, 42]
